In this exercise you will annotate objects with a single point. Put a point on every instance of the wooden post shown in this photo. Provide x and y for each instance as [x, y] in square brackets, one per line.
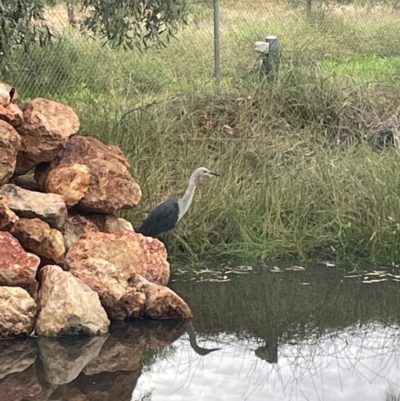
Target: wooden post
[273, 54]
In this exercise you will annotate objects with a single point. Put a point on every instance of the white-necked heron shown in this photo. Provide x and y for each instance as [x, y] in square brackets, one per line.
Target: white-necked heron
[169, 213]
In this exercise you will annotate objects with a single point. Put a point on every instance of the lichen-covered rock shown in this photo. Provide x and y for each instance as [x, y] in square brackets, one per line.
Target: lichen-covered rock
[118, 299]
[10, 144]
[29, 204]
[46, 127]
[36, 236]
[17, 267]
[111, 186]
[130, 252]
[11, 114]
[58, 365]
[7, 217]
[71, 181]
[75, 226]
[68, 306]
[18, 312]
[161, 302]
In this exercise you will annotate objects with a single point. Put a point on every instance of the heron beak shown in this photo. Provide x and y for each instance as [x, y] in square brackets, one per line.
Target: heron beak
[215, 174]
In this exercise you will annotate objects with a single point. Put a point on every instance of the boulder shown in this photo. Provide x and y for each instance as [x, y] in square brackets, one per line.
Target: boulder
[71, 181]
[111, 186]
[36, 236]
[5, 97]
[10, 144]
[59, 364]
[11, 114]
[7, 217]
[27, 181]
[161, 301]
[29, 204]
[8, 88]
[17, 267]
[118, 299]
[46, 127]
[68, 306]
[18, 311]
[130, 252]
[108, 223]
[75, 226]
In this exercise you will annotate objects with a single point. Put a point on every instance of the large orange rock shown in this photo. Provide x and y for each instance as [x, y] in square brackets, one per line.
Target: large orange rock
[124, 299]
[75, 226]
[11, 114]
[17, 267]
[71, 181]
[130, 252]
[118, 299]
[111, 186]
[36, 236]
[68, 306]
[161, 302]
[46, 127]
[18, 311]
[109, 223]
[7, 217]
[10, 144]
[30, 204]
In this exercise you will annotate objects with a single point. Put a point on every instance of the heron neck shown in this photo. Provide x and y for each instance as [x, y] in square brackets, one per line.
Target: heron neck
[187, 198]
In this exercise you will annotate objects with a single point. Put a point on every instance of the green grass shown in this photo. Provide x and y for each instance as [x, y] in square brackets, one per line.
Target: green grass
[304, 173]
[364, 68]
[291, 184]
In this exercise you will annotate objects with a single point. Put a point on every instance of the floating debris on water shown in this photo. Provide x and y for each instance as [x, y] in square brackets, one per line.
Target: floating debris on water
[330, 264]
[296, 268]
[353, 276]
[276, 269]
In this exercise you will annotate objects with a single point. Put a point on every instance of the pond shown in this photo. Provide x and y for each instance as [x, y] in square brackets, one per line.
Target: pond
[257, 334]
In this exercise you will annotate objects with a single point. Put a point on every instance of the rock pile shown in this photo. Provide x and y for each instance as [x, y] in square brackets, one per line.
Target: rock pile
[68, 264]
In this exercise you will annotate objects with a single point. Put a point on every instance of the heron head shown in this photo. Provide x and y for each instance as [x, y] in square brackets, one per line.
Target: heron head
[205, 171]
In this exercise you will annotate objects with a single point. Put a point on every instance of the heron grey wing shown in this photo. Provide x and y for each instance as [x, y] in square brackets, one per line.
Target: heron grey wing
[163, 218]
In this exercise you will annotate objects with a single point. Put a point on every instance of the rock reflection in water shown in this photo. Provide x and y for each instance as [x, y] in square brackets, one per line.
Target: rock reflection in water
[83, 368]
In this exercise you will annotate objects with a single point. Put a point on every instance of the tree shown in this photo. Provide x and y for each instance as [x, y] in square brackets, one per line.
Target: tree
[121, 23]
[131, 23]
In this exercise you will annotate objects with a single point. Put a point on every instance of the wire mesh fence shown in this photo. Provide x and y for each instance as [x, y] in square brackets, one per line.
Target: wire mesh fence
[310, 33]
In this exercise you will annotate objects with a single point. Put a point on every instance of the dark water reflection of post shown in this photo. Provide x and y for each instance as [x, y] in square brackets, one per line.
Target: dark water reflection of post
[84, 368]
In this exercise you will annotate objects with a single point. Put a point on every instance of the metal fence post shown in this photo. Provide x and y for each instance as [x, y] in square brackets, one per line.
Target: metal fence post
[217, 54]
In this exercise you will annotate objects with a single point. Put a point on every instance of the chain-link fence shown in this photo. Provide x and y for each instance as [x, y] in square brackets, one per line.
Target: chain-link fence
[310, 33]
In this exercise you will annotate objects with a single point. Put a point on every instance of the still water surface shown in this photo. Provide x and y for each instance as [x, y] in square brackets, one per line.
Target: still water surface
[257, 335]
